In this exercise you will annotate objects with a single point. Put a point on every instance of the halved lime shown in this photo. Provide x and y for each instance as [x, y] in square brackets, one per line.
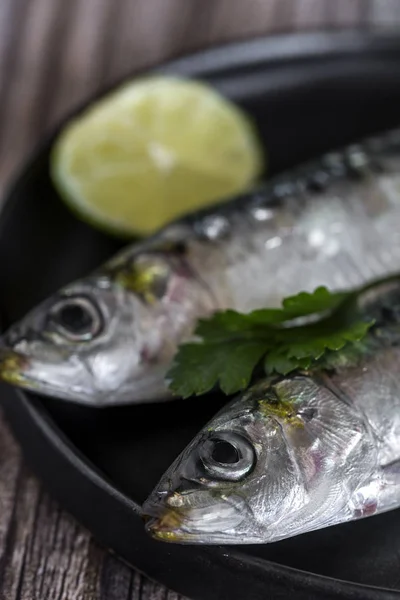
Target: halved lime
[151, 151]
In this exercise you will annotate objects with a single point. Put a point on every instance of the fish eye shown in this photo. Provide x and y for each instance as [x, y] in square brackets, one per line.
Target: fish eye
[77, 318]
[227, 456]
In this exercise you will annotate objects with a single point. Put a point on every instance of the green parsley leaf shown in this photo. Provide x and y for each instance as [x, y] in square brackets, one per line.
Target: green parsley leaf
[319, 301]
[232, 344]
[293, 307]
[199, 367]
[305, 345]
[278, 362]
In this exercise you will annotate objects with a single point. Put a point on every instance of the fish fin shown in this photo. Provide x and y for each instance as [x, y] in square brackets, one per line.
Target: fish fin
[364, 501]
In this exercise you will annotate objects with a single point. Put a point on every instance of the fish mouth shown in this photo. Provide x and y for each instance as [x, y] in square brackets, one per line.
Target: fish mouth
[165, 526]
[176, 519]
[41, 376]
[13, 366]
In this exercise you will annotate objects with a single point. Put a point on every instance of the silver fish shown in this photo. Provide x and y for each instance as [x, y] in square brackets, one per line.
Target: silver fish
[294, 454]
[110, 338]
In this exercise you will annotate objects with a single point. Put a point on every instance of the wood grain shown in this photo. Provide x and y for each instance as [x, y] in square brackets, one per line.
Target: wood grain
[53, 54]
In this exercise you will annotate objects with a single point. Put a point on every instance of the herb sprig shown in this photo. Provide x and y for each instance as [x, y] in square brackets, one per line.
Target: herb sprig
[299, 335]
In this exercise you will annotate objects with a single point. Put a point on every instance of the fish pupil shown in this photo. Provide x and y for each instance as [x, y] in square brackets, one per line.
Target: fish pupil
[225, 453]
[75, 318]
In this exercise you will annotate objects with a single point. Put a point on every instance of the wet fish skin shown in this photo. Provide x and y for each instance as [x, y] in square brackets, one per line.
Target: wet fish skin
[334, 223]
[299, 453]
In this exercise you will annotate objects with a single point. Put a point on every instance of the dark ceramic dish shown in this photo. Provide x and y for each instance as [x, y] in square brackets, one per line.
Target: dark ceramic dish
[308, 94]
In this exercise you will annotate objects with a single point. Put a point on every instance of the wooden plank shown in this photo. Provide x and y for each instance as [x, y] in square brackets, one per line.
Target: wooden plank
[23, 110]
[226, 20]
[10, 465]
[144, 40]
[384, 13]
[311, 13]
[45, 554]
[10, 15]
[121, 583]
[12, 27]
[81, 60]
[346, 13]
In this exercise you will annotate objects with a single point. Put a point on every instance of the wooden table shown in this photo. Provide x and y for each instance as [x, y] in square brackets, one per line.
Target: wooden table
[53, 54]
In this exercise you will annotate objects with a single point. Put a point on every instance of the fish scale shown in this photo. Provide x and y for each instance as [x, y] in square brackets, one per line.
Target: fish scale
[375, 388]
[342, 238]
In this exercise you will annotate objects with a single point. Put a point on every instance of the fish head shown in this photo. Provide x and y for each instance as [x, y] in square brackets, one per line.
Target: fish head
[106, 339]
[74, 344]
[261, 471]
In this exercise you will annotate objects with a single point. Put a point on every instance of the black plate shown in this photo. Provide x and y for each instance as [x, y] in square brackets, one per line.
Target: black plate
[308, 94]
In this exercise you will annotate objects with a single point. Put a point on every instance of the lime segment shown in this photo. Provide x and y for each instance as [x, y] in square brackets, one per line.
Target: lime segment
[151, 151]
